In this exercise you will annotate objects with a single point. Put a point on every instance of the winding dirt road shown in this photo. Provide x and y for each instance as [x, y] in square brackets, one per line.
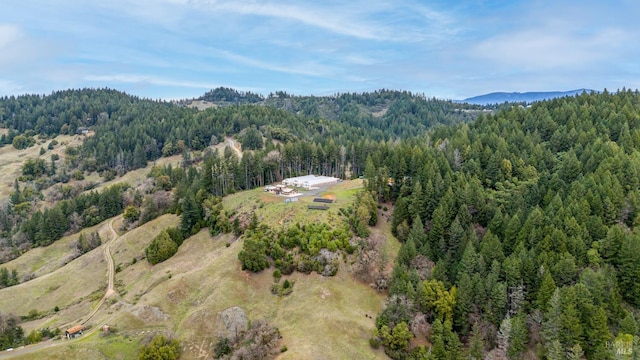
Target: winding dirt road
[110, 273]
[110, 292]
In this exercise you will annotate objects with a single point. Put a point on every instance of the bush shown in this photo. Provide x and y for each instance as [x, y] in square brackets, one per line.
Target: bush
[161, 348]
[374, 342]
[78, 175]
[161, 248]
[252, 256]
[222, 347]
[277, 275]
[131, 214]
[34, 337]
[282, 290]
[22, 142]
[176, 235]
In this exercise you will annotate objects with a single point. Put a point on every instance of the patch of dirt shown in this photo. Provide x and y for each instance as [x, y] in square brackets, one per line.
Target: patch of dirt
[377, 114]
[202, 104]
[148, 313]
[176, 296]
[324, 293]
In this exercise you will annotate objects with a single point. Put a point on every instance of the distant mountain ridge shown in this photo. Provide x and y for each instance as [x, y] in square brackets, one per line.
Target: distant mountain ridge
[528, 97]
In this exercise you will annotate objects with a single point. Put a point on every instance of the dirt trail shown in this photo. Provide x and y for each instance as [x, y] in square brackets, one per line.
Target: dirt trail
[110, 273]
[110, 292]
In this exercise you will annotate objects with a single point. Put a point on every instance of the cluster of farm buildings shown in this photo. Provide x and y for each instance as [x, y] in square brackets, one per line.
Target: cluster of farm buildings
[308, 182]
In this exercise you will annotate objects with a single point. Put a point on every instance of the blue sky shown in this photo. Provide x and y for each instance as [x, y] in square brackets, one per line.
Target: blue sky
[175, 49]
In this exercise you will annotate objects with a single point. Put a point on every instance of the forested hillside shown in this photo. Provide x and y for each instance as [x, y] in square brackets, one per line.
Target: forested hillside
[518, 228]
[123, 132]
[519, 234]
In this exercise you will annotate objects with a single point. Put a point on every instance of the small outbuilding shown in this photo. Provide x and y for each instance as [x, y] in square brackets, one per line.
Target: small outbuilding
[74, 331]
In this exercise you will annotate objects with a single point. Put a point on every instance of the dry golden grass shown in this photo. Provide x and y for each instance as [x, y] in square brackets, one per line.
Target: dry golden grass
[40, 261]
[11, 159]
[94, 347]
[324, 318]
[138, 176]
[78, 285]
[202, 104]
[273, 211]
[70, 285]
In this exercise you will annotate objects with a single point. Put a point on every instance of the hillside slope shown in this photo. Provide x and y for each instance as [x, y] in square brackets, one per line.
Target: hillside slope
[323, 317]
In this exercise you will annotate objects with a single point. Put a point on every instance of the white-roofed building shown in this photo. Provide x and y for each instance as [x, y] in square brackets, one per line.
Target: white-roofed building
[310, 181]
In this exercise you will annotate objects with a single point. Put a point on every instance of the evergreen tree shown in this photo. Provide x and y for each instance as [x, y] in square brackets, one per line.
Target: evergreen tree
[161, 248]
[629, 271]
[191, 215]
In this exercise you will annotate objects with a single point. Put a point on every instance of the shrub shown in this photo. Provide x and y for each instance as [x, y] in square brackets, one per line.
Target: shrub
[176, 235]
[78, 175]
[131, 214]
[161, 348]
[222, 347]
[282, 290]
[161, 248]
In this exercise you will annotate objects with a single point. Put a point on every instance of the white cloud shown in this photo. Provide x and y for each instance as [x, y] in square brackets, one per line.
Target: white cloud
[546, 48]
[149, 79]
[8, 35]
[160, 81]
[363, 20]
[306, 68]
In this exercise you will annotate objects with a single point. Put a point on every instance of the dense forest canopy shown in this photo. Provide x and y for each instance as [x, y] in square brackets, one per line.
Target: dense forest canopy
[130, 131]
[528, 218]
[518, 229]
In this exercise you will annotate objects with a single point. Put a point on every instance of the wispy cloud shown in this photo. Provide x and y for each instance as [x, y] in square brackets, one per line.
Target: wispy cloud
[8, 34]
[550, 47]
[160, 47]
[307, 68]
[379, 21]
[150, 80]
